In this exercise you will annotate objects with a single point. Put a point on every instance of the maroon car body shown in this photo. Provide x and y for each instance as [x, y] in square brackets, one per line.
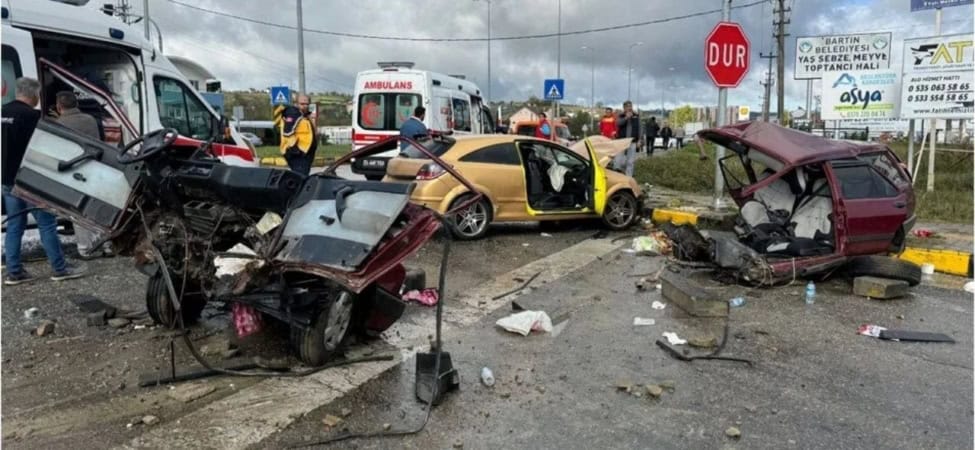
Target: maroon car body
[824, 200]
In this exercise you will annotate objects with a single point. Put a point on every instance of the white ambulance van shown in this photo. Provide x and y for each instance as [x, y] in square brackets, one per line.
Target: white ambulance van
[78, 47]
[384, 98]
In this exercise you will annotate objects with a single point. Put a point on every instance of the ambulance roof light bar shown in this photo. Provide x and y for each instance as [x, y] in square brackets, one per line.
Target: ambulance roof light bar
[394, 65]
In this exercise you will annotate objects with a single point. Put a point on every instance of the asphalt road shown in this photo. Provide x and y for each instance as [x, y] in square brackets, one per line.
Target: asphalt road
[815, 383]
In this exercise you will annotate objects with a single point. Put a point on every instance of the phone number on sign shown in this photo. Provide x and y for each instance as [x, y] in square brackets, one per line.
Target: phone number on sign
[950, 87]
[950, 97]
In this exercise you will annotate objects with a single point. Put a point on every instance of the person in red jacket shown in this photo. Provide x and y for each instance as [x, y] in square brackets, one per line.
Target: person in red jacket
[607, 125]
[544, 128]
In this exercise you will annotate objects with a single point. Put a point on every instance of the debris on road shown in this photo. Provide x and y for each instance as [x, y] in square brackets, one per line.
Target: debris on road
[97, 319]
[691, 298]
[903, 335]
[658, 305]
[624, 385]
[525, 322]
[654, 390]
[655, 243]
[517, 289]
[733, 432]
[346, 412]
[45, 328]
[331, 421]
[879, 288]
[546, 235]
[922, 233]
[247, 319]
[31, 313]
[669, 385]
[150, 420]
[188, 392]
[640, 322]
[737, 302]
[118, 322]
[426, 297]
[703, 342]
[487, 376]
[673, 339]
[970, 287]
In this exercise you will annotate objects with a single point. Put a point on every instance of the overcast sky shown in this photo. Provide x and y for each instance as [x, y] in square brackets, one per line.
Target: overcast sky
[245, 55]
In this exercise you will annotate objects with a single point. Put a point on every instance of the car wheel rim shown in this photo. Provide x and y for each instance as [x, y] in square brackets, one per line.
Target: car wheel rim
[472, 220]
[621, 210]
[339, 316]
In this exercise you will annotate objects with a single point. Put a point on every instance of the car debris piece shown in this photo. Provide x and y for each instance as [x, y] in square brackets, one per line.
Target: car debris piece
[703, 342]
[31, 313]
[673, 338]
[691, 298]
[247, 320]
[45, 328]
[519, 288]
[737, 302]
[426, 297]
[902, 335]
[118, 322]
[268, 222]
[733, 432]
[331, 421]
[658, 305]
[188, 392]
[970, 287]
[487, 376]
[525, 322]
[97, 319]
[150, 420]
[655, 390]
[879, 288]
[640, 322]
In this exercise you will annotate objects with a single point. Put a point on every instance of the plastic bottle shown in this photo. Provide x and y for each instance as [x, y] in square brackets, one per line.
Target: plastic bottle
[487, 377]
[736, 302]
[810, 293]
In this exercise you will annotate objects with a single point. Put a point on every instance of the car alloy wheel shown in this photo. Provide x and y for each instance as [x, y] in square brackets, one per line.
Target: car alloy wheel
[471, 221]
[338, 320]
[620, 210]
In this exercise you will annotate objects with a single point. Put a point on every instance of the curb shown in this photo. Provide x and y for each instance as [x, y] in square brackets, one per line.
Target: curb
[951, 262]
[278, 161]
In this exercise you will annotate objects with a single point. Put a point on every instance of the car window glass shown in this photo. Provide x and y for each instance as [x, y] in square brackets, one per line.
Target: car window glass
[861, 181]
[487, 122]
[372, 111]
[562, 132]
[495, 154]
[888, 167]
[567, 160]
[11, 71]
[462, 114]
[436, 146]
[405, 104]
[180, 109]
[526, 130]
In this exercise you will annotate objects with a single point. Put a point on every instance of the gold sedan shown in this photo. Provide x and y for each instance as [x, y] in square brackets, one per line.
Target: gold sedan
[522, 178]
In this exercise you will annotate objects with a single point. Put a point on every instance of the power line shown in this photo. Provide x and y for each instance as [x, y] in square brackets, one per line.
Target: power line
[503, 38]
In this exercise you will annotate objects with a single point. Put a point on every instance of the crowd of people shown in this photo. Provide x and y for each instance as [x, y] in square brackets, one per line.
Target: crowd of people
[644, 135]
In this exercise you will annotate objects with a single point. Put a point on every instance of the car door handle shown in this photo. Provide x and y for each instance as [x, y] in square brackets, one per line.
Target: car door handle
[78, 176]
[900, 205]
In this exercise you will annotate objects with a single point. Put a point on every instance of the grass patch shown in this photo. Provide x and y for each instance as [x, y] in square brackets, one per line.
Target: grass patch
[327, 150]
[951, 200]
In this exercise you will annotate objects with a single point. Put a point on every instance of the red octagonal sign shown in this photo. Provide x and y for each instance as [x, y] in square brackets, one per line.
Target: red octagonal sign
[726, 54]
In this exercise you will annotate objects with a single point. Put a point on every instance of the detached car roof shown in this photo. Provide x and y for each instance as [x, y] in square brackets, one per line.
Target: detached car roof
[792, 147]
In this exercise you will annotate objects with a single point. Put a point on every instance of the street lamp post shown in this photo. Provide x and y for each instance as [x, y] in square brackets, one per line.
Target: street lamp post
[629, 72]
[488, 49]
[592, 87]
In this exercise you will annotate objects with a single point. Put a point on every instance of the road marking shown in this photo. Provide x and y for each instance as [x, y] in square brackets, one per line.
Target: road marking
[253, 414]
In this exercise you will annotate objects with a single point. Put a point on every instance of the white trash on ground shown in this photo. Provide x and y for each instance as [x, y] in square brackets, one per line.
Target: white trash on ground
[525, 322]
[970, 286]
[641, 321]
[673, 338]
[658, 305]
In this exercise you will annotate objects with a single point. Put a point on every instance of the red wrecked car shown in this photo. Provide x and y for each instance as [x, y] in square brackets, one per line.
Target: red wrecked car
[808, 205]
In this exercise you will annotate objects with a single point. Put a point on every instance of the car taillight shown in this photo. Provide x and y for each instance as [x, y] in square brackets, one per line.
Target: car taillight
[430, 171]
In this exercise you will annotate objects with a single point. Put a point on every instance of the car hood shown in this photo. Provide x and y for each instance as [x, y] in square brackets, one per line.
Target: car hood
[604, 147]
[791, 147]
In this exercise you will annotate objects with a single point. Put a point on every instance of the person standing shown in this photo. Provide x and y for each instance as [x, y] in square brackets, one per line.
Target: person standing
[413, 127]
[607, 125]
[652, 130]
[628, 126]
[71, 117]
[298, 135]
[19, 120]
[679, 135]
[544, 128]
[665, 134]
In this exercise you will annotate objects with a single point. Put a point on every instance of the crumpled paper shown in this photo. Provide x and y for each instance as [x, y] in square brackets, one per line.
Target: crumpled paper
[673, 338]
[525, 322]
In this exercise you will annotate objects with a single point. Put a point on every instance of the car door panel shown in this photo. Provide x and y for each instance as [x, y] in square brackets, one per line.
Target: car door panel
[873, 213]
[505, 184]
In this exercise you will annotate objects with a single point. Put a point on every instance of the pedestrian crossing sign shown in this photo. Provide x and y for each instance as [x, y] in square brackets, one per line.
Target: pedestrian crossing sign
[554, 89]
[280, 95]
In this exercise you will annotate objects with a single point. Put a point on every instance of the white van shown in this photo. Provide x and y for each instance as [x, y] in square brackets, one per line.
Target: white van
[384, 98]
[80, 48]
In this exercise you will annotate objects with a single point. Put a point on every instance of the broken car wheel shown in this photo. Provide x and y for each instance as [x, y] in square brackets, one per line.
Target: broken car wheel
[621, 211]
[327, 334]
[885, 267]
[160, 307]
[471, 222]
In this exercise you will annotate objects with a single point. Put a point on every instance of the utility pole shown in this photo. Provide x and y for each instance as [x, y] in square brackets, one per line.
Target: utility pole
[145, 18]
[934, 122]
[780, 59]
[766, 99]
[558, 64]
[301, 53]
[489, 53]
[722, 119]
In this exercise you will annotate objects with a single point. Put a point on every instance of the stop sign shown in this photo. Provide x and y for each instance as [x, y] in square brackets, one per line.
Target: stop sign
[726, 54]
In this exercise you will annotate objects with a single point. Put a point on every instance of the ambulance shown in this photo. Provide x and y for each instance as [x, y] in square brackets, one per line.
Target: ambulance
[384, 98]
[74, 45]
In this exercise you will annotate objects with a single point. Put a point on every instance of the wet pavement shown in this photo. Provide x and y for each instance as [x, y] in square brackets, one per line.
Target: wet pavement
[815, 383]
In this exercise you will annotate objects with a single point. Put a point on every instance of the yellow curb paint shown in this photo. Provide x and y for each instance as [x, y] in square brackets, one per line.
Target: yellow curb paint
[945, 261]
[673, 216]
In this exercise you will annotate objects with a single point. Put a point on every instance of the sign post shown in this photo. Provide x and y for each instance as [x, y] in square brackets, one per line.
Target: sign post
[726, 58]
[554, 89]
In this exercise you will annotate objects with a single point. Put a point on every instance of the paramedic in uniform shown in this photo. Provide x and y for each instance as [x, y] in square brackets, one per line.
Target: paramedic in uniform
[298, 136]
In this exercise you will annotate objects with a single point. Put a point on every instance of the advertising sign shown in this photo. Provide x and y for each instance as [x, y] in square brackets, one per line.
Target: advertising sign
[937, 81]
[921, 5]
[816, 55]
[861, 95]
[744, 113]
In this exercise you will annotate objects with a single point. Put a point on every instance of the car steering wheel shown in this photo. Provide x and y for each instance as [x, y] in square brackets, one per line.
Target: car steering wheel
[152, 143]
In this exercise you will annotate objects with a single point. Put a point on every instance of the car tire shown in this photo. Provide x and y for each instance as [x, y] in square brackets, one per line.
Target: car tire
[329, 331]
[161, 309]
[885, 267]
[621, 211]
[475, 220]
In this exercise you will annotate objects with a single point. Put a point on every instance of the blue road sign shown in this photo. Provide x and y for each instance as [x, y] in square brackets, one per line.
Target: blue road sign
[280, 94]
[554, 89]
[921, 5]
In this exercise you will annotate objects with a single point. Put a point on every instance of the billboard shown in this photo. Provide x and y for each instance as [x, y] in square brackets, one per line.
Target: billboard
[921, 5]
[816, 55]
[871, 94]
[937, 80]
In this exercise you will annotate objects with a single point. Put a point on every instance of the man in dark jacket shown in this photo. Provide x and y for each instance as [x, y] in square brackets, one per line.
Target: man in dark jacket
[19, 120]
[665, 134]
[628, 126]
[652, 130]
